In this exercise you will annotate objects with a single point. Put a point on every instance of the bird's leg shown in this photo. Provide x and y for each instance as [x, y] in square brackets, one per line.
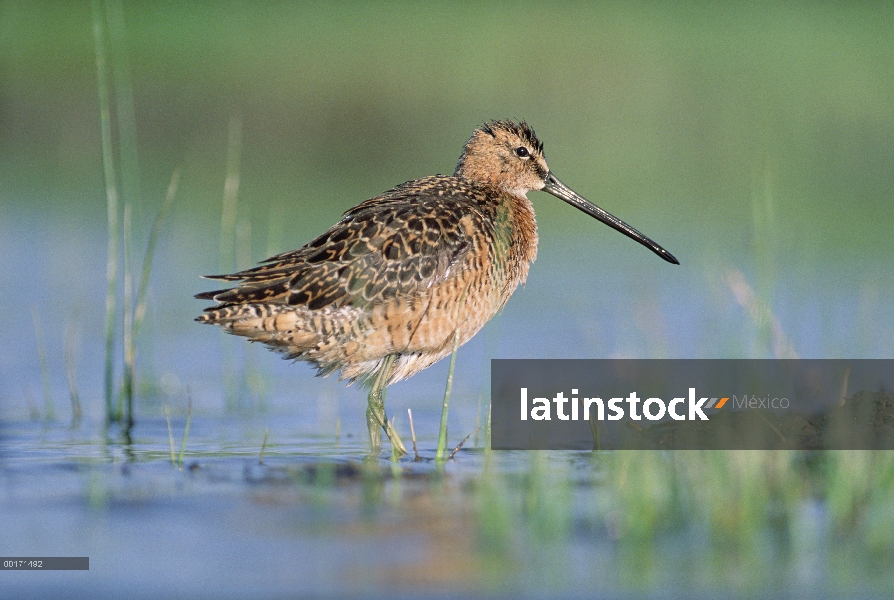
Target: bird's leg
[376, 419]
[375, 412]
[372, 421]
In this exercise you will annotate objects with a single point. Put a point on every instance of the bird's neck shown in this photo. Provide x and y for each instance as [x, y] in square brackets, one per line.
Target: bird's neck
[516, 232]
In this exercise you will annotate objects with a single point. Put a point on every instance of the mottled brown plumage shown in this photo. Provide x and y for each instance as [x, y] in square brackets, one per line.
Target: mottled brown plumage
[383, 292]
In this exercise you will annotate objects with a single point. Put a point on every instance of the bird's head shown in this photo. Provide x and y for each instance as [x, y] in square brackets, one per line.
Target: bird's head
[508, 156]
[505, 155]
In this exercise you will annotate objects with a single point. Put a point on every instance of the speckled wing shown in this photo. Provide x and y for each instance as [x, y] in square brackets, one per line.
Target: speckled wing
[394, 245]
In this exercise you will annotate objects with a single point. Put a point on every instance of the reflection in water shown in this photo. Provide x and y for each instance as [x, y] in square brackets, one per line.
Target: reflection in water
[315, 519]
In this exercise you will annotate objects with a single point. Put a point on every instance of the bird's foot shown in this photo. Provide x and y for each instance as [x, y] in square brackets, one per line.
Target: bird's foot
[396, 445]
[377, 423]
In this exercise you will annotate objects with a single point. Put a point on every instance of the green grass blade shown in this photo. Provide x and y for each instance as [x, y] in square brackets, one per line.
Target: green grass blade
[124, 105]
[185, 429]
[130, 187]
[110, 178]
[264, 446]
[487, 433]
[74, 396]
[125, 399]
[442, 431]
[170, 435]
[140, 311]
[416, 457]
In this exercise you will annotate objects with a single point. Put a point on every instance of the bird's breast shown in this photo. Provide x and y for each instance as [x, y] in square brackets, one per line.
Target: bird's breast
[515, 242]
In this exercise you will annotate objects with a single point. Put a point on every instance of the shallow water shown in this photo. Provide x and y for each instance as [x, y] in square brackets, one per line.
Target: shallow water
[315, 519]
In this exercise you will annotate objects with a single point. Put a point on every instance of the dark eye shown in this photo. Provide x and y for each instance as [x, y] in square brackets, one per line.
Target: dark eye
[522, 152]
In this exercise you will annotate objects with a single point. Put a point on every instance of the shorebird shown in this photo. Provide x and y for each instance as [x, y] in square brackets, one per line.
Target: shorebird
[389, 289]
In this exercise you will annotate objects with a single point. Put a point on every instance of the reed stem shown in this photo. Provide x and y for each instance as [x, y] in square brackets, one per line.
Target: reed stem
[442, 432]
[110, 178]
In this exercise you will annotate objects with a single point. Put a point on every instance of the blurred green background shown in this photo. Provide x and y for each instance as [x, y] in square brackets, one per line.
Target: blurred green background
[754, 142]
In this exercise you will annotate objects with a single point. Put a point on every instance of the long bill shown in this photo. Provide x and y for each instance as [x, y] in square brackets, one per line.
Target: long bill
[562, 191]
